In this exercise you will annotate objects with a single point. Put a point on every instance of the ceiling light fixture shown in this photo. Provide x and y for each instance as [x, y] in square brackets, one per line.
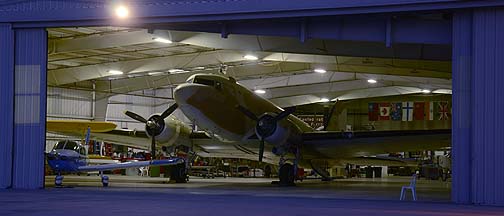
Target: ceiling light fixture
[372, 81]
[259, 91]
[122, 11]
[426, 91]
[324, 100]
[319, 70]
[250, 57]
[155, 73]
[115, 72]
[162, 40]
[175, 70]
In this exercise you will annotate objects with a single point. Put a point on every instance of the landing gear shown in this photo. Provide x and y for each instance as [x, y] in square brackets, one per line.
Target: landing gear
[58, 180]
[105, 181]
[179, 173]
[286, 175]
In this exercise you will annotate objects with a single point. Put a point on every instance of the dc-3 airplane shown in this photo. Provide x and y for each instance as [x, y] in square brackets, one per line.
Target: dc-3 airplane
[240, 124]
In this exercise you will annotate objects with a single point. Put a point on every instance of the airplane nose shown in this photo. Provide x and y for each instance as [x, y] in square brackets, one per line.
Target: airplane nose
[183, 92]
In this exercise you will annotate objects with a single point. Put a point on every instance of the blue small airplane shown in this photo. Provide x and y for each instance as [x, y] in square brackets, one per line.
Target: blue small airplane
[71, 157]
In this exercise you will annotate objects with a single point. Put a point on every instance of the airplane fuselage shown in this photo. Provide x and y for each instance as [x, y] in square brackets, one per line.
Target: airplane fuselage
[65, 160]
[211, 102]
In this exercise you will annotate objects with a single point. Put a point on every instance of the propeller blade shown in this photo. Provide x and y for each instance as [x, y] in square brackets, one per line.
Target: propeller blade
[169, 111]
[261, 150]
[135, 116]
[153, 148]
[285, 113]
[247, 112]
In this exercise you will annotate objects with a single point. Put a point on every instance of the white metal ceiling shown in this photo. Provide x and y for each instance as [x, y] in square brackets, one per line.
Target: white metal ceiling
[285, 66]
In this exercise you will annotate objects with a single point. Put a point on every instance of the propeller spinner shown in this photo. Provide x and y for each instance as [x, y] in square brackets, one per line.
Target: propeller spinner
[266, 124]
[154, 125]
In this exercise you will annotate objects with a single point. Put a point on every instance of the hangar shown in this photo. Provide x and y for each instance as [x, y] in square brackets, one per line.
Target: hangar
[50, 48]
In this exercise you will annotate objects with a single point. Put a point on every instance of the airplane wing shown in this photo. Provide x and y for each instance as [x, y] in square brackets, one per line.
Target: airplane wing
[125, 165]
[76, 126]
[204, 145]
[379, 161]
[100, 130]
[359, 144]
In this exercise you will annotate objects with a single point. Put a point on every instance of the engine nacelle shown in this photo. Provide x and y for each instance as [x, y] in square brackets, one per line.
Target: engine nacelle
[170, 131]
[273, 132]
[279, 136]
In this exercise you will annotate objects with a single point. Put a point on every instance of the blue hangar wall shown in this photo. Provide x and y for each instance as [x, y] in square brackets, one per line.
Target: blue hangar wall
[475, 34]
[23, 106]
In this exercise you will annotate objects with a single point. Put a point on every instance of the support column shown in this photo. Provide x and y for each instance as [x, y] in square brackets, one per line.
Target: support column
[478, 101]
[100, 107]
[30, 72]
[6, 104]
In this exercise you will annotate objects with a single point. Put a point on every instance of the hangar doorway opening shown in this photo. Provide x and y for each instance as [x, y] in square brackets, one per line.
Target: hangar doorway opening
[97, 73]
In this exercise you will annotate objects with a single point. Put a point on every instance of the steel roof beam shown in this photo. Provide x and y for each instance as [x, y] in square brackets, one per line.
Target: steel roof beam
[94, 13]
[110, 40]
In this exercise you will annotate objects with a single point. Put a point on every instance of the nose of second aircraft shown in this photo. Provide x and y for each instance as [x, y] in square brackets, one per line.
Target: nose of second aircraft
[183, 92]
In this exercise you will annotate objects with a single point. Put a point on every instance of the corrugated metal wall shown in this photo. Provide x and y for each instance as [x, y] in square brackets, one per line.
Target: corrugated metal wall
[478, 77]
[6, 103]
[143, 106]
[462, 121]
[30, 108]
[69, 103]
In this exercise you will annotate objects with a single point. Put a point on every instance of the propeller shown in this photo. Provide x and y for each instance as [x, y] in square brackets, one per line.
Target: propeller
[266, 124]
[154, 125]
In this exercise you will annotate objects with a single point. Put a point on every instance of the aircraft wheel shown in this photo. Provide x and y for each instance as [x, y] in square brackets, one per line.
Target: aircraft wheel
[58, 181]
[444, 176]
[105, 181]
[179, 173]
[286, 175]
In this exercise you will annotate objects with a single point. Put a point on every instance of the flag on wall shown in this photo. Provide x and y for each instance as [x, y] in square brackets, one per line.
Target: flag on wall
[429, 110]
[407, 111]
[442, 112]
[419, 111]
[373, 112]
[396, 111]
[384, 111]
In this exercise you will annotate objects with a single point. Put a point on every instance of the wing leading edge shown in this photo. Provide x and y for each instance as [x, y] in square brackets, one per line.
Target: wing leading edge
[358, 144]
[125, 165]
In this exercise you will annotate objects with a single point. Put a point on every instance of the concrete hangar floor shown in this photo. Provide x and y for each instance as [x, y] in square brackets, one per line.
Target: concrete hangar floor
[232, 196]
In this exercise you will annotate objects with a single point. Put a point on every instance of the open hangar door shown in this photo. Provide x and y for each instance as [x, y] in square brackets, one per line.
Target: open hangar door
[95, 73]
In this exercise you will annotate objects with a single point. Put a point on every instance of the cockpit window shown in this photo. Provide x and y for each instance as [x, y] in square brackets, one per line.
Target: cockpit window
[67, 144]
[204, 81]
[60, 145]
[83, 151]
[190, 80]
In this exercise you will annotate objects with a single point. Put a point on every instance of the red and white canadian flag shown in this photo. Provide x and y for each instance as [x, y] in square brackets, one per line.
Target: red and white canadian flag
[384, 111]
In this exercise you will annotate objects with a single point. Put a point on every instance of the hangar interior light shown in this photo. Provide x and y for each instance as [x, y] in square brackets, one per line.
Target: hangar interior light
[250, 57]
[162, 40]
[426, 91]
[319, 70]
[260, 91]
[372, 81]
[324, 100]
[175, 70]
[115, 72]
[122, 11]
[155, 73]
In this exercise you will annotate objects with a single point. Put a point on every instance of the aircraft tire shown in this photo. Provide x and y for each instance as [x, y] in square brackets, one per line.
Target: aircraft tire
[179, 173]
[286, 175]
